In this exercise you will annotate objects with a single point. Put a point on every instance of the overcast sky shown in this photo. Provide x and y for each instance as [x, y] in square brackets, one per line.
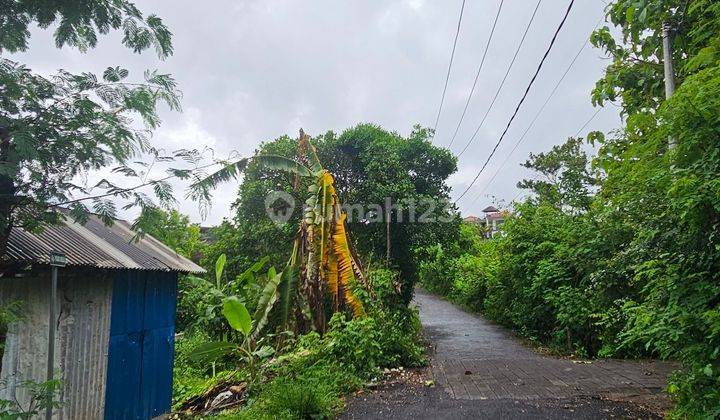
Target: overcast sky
[255, 70]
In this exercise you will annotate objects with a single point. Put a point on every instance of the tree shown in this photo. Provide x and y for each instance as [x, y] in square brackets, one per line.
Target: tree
[567, 179]
[406, 175]
[174, 230]
[80, 22]
[53, 129]
[369, 164]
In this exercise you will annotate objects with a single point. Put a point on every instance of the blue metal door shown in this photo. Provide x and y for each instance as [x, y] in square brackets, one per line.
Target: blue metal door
[140, 356]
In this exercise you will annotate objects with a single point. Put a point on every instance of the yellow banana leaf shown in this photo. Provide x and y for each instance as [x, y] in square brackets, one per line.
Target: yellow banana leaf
[346, 276]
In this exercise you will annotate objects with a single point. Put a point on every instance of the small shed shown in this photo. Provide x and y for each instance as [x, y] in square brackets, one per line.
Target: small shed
[115, 324]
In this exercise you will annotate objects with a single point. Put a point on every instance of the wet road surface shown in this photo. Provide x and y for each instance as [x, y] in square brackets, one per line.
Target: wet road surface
[481, 370]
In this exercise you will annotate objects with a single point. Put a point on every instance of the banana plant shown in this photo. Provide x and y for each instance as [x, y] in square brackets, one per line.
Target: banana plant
[222, 288]
[250, 348]
[322, 260]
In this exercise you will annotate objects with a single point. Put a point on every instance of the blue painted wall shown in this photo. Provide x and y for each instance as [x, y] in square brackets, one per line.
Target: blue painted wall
[140, 356]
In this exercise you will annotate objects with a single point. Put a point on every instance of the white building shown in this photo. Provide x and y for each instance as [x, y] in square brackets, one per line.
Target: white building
[490, 222]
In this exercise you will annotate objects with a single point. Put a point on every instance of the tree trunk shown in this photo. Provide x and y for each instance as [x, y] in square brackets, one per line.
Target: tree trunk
[388, 252]
[7, 197]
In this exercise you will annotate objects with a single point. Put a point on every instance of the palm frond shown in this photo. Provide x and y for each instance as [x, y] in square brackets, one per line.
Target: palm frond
[266, 302]
[281, 163]
[346, 275]
[286, 294]
[200, 189]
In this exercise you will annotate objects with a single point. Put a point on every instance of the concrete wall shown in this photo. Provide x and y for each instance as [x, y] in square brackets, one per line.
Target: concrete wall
[81, 347]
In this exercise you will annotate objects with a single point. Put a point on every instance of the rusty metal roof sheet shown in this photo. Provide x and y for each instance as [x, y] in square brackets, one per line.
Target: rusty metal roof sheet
[96, 245]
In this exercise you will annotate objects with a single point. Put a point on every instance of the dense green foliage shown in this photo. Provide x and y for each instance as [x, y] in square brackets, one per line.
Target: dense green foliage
[619, 255]
[374, 166]
[462, 271]
[174, 230]
[319, 370]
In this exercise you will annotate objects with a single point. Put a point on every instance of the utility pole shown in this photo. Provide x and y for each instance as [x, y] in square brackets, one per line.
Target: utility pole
[51, 342]
[669, 69]
[57, 259]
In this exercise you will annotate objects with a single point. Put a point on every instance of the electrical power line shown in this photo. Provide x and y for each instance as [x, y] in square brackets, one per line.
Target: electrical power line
[537, 115]
[597, 111]
[447, 78]
[497, 92]
[477, 75]
[519, 105]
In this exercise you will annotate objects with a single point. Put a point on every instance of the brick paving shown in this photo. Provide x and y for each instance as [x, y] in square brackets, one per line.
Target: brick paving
[477, 360]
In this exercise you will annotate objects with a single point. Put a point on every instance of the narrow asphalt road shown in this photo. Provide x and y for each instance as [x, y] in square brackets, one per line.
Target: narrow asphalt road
[481, 370]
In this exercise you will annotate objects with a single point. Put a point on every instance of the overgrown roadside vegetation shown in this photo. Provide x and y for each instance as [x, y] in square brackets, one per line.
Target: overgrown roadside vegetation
[617, 255]
[285, 375]
[308, 374]
[263, 342]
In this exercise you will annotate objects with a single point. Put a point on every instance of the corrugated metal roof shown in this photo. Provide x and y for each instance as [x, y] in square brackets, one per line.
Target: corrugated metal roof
[96, 245]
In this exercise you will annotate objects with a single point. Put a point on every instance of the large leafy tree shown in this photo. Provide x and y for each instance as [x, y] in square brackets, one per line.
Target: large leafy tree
[370, 166]
[55, 128]
[401, 177]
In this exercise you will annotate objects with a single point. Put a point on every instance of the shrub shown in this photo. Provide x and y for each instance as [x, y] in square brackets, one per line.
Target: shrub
[473, 273]
[436, 270]
[400, 338]
[191, 378]
[302, 391]
[355, 344]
